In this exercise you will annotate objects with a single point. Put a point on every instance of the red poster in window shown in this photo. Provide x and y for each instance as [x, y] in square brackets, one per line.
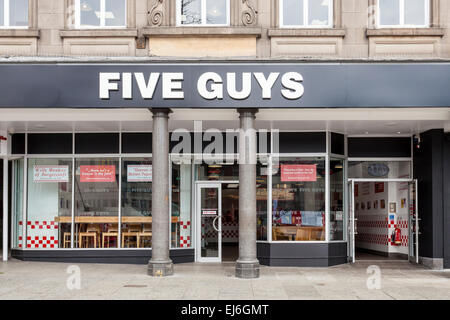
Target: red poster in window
[379, 187]
[100, 173]
[298, 172]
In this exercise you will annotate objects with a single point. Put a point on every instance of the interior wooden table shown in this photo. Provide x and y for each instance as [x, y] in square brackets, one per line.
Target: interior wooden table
[292, 230]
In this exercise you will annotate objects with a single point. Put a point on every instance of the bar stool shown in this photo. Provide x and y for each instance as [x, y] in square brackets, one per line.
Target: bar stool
[145, 233]
[113, 231]
[92, 232]
[66, 239]
[132, 232]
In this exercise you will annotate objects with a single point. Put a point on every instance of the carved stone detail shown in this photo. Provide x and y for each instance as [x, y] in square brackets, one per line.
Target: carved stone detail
[156, 13]
[249, 14]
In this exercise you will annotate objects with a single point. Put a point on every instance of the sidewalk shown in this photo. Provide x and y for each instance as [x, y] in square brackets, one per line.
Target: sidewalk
[399, 280]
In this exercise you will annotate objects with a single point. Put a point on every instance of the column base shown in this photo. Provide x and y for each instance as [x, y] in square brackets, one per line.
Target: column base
[247, 270]
[160, 268]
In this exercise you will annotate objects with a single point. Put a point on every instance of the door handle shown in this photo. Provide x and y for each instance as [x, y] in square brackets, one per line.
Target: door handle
[214, 223]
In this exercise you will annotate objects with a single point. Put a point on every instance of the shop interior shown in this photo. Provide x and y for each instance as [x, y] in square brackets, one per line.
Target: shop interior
[382, 210]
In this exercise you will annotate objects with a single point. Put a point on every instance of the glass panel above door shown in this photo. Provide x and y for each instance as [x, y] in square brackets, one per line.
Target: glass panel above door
[379, 169]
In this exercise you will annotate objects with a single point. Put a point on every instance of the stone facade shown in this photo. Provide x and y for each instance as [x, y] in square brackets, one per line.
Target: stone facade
[254, 32]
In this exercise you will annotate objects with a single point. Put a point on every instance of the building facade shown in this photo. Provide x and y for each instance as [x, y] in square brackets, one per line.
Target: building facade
[281, 132]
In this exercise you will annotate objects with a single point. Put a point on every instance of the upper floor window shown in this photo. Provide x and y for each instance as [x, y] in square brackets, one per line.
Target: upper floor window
[13, 13]
[100, 13]
[203, 12]
[403, 13]
[306, 13]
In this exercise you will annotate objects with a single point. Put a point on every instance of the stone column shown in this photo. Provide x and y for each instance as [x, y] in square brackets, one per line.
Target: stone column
[247, 266]
[160, 264]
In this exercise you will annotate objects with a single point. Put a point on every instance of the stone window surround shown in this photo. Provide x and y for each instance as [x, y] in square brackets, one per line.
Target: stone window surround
[433, 30]
[335, 31]
[31, 31]
[162, 21]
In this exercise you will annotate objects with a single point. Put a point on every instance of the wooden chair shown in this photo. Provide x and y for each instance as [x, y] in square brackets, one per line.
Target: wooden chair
[132, 232]
[113, 231]
[145, 233]
[303, 234]
[92, 232]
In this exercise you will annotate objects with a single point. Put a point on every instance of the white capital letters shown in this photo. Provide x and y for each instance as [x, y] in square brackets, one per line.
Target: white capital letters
[147, 89]
[246, 86]
[292, 82]
[127, 87]
[216, 86]
[266, 84]
[106, 85]
[172, 85]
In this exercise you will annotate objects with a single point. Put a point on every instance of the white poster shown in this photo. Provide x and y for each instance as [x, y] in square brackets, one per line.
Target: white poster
[45, 173]
[139, 173]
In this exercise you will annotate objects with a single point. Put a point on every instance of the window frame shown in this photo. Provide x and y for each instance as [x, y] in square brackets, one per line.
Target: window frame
[401, 10]
[203, 14]
[6, 14]
[306, 25]
[102, 17]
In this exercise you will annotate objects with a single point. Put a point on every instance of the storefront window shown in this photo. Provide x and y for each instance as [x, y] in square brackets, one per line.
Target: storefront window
[203, 12]
[181, 224]
[17, 204]
[136, 204]
[336, 199]
[13, 13]
[49, 208]
[306, 13]
[261, 200]
[96, 202]
[298, 199]
[379, 169]
[100, 13]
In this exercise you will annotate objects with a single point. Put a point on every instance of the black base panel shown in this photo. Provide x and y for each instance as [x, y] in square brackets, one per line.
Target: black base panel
[302, 254]
[99, 256]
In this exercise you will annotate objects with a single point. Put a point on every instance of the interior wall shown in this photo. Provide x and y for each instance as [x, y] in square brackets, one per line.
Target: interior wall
[371, 210]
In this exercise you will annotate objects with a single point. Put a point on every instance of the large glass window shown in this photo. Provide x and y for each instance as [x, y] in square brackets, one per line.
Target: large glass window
[403, 13]
[306, 13]
[203, 12]
[181, 224]
[96, 202]
[100, 13]
[49, 207]
[14, 13]
[136, 203]
[298, 199]
[379, 169]
[336, 199]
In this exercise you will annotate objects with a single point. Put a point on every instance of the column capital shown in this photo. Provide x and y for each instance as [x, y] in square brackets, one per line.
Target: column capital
[247, 112]
[160, 112]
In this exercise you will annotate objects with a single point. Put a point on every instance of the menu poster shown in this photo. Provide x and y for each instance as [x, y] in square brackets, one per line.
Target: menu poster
[298, 172]
[98, 173]
[139, 173]
[44, 173]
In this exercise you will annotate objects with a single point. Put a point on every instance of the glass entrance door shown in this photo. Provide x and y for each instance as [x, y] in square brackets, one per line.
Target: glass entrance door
[209, 222]
[351, 221]
[413, 223]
